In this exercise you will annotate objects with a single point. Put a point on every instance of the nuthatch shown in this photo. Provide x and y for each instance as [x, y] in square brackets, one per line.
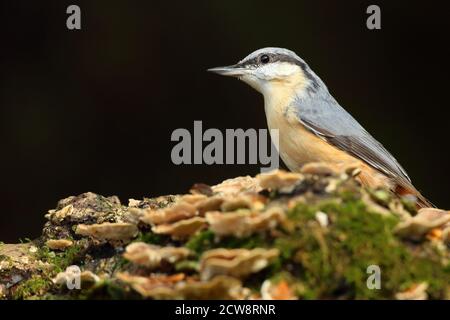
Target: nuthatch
[312, 126]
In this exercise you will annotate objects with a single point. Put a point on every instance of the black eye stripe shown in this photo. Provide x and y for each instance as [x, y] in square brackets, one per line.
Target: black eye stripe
[272, 58]
[278, 57]
[250, 62]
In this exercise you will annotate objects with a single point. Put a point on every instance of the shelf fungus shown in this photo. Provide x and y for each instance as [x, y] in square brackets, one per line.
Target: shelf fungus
[237, 185]
[318, 168]
[237, 263]
[244, 222]
[74, 278]
[108, 231]
[209, 204]
[178, 211]
[426, 220]
[181, 229]
[415, 292]
[59, 244]
[278, 179]
[151, 256]
[185, 207]
[178, 286]
[245, 201]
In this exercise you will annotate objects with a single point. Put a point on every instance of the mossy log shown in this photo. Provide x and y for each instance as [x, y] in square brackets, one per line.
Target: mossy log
[312, 235]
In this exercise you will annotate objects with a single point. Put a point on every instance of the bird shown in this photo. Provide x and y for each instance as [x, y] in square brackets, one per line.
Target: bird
[312, 126]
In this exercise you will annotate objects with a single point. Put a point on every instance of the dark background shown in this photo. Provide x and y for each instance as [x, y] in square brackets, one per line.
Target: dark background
[93, 110]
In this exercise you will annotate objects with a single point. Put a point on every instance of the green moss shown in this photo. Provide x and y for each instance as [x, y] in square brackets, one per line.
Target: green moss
[35, 286]
[201, 241]
[409, 205]
[381, 196]
[7, 260]
[120, 264]
[151, 238]
[258, 240]
[187, 266]
[333, 261]
[206, 240]
[107, 290]
[60, 260]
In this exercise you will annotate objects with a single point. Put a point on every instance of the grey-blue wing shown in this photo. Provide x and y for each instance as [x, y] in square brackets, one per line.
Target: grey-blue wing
[328, 120]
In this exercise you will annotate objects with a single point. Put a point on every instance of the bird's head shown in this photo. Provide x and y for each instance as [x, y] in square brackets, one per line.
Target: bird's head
[270, 69]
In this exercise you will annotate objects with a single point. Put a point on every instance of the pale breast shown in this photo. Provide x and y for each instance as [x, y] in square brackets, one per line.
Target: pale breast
[297, 145]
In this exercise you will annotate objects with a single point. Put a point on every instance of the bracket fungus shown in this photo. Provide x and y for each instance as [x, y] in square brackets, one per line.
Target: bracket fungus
[278, 179]
[151, 256]
[178, 286]
[59, 244]
[415, 292]
[181, 229]
[237, 263]
[237, 185]
[179, 211]
[318, 168]
[108, 231]
[244, 222]
[426, 220]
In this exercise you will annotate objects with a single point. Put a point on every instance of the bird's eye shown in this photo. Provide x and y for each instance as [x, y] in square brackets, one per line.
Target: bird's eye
[264, 59]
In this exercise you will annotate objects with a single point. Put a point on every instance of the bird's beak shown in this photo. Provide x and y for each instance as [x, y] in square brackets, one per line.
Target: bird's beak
[231, 71]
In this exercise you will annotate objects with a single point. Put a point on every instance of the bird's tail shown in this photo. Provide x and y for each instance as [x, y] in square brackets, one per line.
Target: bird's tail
[421, 202]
